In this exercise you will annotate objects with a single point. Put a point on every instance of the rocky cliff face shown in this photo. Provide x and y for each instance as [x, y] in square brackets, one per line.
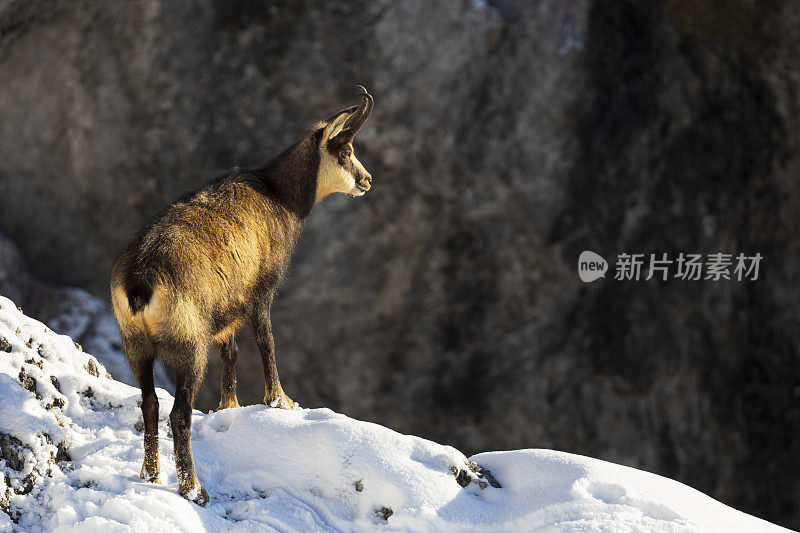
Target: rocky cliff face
[506, 138]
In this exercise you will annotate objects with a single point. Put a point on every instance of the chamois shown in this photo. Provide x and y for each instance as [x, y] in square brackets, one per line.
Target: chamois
[214, 259]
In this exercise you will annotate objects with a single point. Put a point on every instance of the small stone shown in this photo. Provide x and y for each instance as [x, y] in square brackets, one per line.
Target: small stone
[12, 451]
[359, 485]
[56, 384]
[62, 453]
[463, 478]
[27, 484]
[28, 383]
[91, 368]
[5, 346]
[484, 473]
[32, 361]
[5, 504]
[78, 346]
[384, 512]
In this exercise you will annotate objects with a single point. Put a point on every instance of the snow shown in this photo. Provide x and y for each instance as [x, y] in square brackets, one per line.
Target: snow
[72, 448]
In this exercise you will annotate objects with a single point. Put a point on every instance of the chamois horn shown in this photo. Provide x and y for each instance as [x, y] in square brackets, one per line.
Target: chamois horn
[357, 119]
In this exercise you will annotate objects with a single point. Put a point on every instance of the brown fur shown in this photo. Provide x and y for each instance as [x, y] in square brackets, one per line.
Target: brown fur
[212, 261]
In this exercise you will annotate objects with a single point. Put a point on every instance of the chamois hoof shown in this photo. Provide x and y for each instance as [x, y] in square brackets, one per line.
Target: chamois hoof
[150, 478]
[197, 495]
[227, 405]
[282, 402]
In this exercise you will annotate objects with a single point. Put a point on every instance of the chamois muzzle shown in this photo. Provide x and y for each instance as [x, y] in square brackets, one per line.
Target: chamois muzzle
[357, 119]
[364, 182]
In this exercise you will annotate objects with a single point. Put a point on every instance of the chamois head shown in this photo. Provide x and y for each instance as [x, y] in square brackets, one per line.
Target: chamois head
[339, 170]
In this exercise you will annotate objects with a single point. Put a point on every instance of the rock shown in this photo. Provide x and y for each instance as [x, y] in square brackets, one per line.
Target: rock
[28, 383]
[481, 476]
[28, 483]
[62, 452]
[91, 368]
[5, 496]
[11, 450]
[484, 473]
[384, 513]
[32, 361]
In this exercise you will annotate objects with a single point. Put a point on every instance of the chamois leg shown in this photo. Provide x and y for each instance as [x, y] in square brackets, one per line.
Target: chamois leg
[187, 383]
[141, 354]
[230, 353]
[262, 328]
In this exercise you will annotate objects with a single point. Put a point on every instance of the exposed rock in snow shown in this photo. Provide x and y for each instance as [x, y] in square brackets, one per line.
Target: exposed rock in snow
[71, 445]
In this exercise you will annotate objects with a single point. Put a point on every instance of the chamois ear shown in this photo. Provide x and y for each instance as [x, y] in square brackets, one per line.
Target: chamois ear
[346, 124]
[336, 123]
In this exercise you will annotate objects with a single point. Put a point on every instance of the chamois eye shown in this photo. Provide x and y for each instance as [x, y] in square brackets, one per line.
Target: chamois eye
[344, 154]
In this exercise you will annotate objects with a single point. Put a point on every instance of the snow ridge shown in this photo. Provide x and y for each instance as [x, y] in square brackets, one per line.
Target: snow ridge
[71, 449]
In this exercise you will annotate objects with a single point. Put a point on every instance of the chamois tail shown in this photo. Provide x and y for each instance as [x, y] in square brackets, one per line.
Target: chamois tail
[139, 293]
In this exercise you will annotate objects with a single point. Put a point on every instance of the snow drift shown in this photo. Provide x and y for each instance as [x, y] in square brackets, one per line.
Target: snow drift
[71, 449]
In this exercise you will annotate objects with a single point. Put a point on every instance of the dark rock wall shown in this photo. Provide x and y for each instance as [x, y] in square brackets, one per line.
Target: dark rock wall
[507, 137]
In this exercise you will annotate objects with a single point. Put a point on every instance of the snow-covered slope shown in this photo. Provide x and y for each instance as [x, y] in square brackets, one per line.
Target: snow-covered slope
[71, 445]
